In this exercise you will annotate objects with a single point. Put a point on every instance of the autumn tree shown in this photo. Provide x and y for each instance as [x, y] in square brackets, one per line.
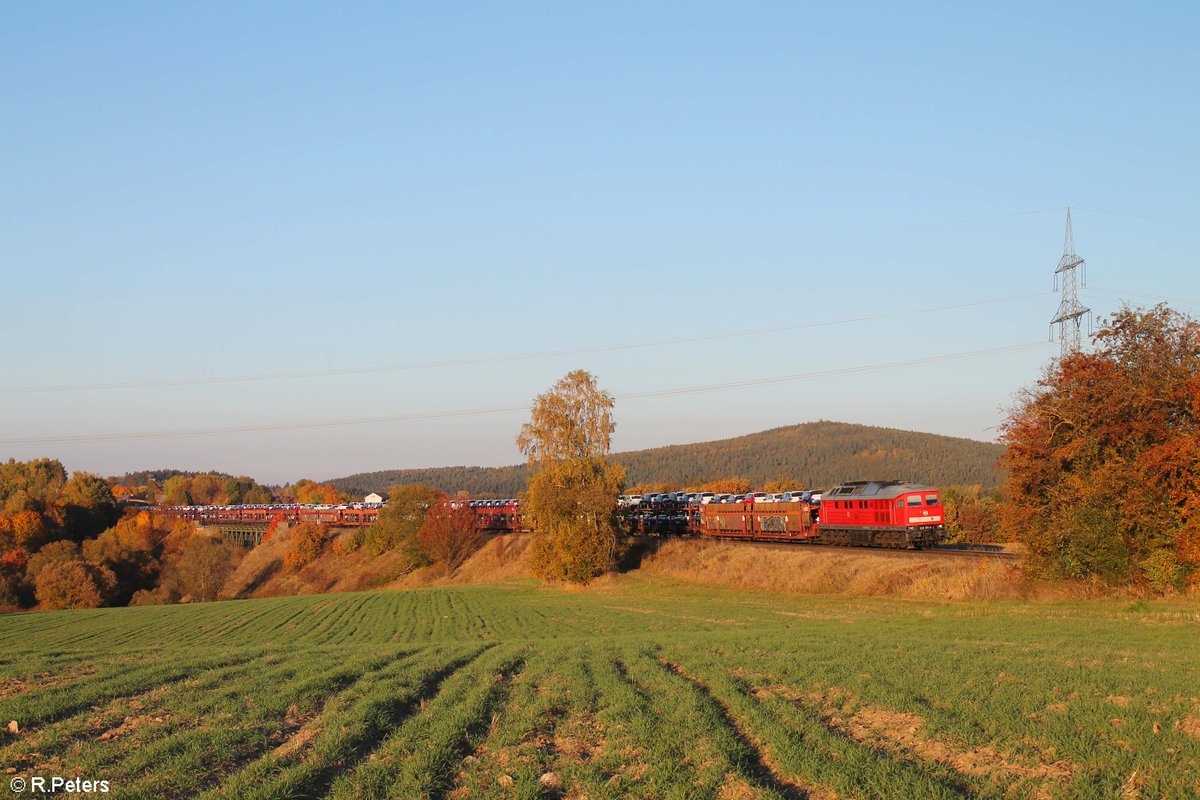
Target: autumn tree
[971, 514]
[571, 500]
[29, 529]
[400, 521]
[129, 550]
[74, 584]
[52, 553]
[312, 493]
[87, 506]
[177, 489]
[200, 569]
[571, 420]
[450, 534]
[30, 484]
[1103, 455]
[307, 541]
[727, 486]
[572, 505]
[13, 564]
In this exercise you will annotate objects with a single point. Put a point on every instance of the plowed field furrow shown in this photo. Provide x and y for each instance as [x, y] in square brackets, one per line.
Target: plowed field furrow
[349, 728]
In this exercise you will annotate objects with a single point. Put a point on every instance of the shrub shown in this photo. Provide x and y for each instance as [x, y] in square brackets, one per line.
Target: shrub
[450, 534]
[308, 540]
[400, 521]
[53, 553]
[74, 584]
[349, 541]
[201, 569]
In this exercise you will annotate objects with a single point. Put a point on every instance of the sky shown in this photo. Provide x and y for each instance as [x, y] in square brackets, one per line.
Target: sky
[329, 238]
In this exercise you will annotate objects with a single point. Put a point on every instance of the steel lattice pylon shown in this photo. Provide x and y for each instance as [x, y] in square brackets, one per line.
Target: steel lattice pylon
[1070, 311]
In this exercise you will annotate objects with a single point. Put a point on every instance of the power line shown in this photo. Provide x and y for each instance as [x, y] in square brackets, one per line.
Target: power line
[175, 294]
[1137, 216]
[365, 282]
[511, 357]
[1123, 293]
[924, 226]
[480, 412]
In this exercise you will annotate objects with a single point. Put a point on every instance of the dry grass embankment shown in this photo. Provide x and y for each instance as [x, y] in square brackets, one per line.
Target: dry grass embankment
[262, 572]
[809, 570]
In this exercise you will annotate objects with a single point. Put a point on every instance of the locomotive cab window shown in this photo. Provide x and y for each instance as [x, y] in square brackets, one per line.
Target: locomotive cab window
[914, 500]
[931, 499]
[899, 502]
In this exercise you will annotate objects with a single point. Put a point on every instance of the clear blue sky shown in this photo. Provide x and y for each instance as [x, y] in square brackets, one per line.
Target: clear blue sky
[193, 191]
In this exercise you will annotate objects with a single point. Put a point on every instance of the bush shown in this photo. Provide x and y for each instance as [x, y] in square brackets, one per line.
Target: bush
[308, 540]
[201, 569]
[349, 541]
[400, 521]
[74, 584]
[53, 553]
[450, 534]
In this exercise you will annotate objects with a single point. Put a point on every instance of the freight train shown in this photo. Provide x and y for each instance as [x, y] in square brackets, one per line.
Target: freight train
[892, 514]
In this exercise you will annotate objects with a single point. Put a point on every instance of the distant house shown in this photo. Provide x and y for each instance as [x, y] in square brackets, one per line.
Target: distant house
[375, 497]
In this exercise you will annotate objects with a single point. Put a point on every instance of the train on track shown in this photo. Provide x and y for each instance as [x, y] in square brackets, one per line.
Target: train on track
[891, 514]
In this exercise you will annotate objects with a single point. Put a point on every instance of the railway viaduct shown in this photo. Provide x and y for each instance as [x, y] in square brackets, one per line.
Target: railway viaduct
[243, 534]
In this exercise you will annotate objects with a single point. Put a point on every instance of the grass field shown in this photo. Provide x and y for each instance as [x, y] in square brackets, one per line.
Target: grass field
[645, 687]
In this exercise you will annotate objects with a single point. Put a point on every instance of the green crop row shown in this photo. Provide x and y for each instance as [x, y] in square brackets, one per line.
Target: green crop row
[648, 688]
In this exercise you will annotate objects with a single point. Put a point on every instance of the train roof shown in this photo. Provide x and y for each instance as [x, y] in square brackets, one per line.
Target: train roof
[879, 490]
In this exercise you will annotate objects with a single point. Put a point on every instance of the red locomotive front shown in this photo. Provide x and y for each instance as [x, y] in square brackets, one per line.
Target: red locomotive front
[882, 513]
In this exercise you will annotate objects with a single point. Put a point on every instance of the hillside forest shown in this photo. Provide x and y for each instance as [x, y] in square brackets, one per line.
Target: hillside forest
[809, 455]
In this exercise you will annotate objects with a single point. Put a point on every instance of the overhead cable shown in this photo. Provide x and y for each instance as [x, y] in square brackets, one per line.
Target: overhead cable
[480, 412]
[154, 383]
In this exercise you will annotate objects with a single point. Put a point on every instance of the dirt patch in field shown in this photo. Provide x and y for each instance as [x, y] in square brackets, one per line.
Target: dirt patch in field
[297, 741]
[10, 687]
[1189, 726]
[902, 732]
[296, 731]
[632, 610]
[579, 738]
[131, 724]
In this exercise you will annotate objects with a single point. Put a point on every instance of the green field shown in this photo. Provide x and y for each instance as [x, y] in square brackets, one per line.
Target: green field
[643, 688]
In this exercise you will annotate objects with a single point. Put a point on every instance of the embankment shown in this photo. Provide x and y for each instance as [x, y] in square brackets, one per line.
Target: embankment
[801, 569]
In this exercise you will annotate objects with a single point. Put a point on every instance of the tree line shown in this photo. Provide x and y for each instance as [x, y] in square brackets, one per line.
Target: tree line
[67, 541]
[183, 488]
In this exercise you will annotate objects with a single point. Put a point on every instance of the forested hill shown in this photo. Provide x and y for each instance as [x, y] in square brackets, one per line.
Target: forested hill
[814, 454]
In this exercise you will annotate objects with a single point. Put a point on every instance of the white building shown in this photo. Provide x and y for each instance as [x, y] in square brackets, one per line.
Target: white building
[375, 497]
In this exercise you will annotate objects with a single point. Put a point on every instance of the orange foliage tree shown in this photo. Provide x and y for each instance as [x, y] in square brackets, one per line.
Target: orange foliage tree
[312, 493]
[450, 534]
[1103, 452]
[74, 584]
[727, 486]
[28, 529]
[308, 540]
